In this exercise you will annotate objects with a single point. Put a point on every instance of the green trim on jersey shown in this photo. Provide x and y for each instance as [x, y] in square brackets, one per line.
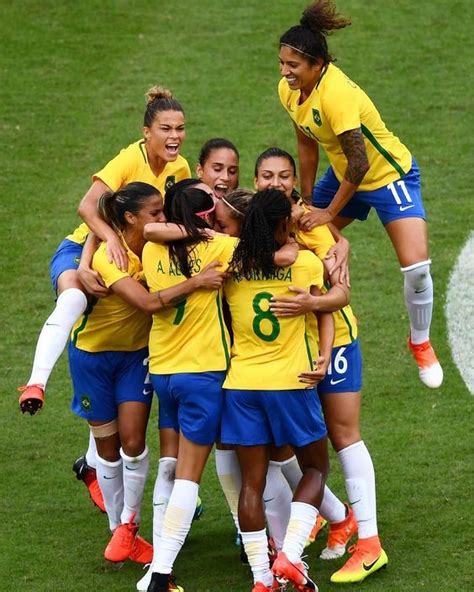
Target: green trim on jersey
[348, 323]
[308, 350]
[87, 313]
[143, 150]
[388, 157]
[221, 324]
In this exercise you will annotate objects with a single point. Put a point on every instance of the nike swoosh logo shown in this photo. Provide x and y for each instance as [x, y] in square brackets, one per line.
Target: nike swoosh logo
[371, 565]
[421, 291]
[131, 469]
[52, 325]
[160, 504]
[333, 382]
[105, 477]
[268, 500]
[145, 392]
[403, 208]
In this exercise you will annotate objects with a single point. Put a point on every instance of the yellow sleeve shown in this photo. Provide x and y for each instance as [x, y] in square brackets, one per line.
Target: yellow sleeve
[319, 240]
[116, 171]
[109, 272]
[340, 102]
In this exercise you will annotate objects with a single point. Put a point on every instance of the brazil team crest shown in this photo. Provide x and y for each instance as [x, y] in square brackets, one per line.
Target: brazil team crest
[170, 181]
[86, 404]
[317, 118]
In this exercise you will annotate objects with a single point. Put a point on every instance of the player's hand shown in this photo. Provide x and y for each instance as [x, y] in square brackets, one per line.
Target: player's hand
[337, 261]
[296, 213]
[315, 217]
[92, 282]
[115, 252]
[32, 399]
[210, 278]
[314, 377]
[302, 303]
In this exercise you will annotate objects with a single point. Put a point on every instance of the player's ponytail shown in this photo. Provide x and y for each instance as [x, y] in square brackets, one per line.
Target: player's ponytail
[159, 99]
[257, 245]
[112, 205]
[188, 207]
[319, 19]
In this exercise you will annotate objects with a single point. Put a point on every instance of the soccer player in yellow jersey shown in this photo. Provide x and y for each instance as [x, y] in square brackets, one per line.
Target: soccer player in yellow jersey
[155, 160]
[108, 357]
[369, 166]
[189, 354]
[273, 357]
[339, 390]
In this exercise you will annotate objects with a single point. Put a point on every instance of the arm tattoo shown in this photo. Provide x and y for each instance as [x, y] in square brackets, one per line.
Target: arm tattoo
[352, 144]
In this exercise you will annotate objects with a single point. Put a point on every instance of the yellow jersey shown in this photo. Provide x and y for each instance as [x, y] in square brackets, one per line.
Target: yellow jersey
[110, 323]
[320, 240]
[269, 353]
[191, 336]
[131, 164]
[338, 105]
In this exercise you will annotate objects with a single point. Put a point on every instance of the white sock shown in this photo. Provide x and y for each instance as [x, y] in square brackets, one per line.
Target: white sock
[109, 475]
[359, 474]
[228, 473]
[135, 471]
[292, 472]
[161, 494]
[418, 289]
[331, 507]
[91, 452]
[52, 340]
[176, 524]
[277, 498]
[256, 547]
[302, 519]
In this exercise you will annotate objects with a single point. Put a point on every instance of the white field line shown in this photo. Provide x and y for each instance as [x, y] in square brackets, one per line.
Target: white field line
[460, 313]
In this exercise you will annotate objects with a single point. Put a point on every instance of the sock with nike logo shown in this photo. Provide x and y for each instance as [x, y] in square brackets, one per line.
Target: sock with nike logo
[109, 475]
[135, 471]
[418, 289]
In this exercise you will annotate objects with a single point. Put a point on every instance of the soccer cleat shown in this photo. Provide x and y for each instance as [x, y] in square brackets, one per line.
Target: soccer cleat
[367, 557]
[142, 585]
[340, 533]
[429, 369]
[294, 573]
[199, 509]
[142, 551]
[121, 544]
[317, 528]
[31, 399]
[88, 475]
[163, 583]
[275, 586]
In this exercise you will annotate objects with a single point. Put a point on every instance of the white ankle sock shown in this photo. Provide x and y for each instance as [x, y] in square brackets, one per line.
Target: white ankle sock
[135, 471]
[91, 452]
[418, 289]
[277, 498]
[109, 475]
[292, 472]
[359, 474]
[52, 340]
[176, 524]
[256, 547]
[161, 494]
[302, 519]
[331, 507]
[228, 473]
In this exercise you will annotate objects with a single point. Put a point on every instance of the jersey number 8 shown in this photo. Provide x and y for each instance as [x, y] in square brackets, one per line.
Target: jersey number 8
[264, 315]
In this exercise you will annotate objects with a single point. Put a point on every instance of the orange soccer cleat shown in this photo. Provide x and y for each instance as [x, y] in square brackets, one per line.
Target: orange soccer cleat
[367, 557]
[31, 399]
[294, 573]
[340, 533]
[317, 528]
[88, 475]
[429, 369]
[121, 544]
[142, 551]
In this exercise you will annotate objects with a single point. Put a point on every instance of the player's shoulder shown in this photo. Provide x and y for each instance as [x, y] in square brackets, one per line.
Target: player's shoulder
[153, 249]
[179, 167]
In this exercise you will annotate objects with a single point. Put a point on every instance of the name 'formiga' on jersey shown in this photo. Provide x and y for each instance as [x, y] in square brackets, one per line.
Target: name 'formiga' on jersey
[269, 353]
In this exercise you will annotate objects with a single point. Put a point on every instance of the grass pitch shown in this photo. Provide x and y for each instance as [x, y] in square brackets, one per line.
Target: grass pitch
[73, 77]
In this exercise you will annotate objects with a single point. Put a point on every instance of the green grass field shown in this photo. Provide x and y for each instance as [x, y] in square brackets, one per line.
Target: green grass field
[72, 81]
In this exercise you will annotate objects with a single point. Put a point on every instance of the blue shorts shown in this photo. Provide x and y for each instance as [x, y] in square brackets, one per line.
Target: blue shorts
[104, 380]
[345, 370]
[190, 403]
[66, 257]
[400, 199]
[255, 418]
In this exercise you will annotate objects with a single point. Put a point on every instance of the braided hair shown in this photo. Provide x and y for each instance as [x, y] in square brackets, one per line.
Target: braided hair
[257, 245]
